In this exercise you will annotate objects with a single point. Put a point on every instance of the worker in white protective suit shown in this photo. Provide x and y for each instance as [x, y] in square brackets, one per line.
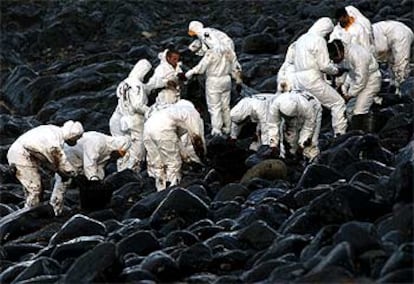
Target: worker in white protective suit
[217, 68]
[300, 115]
[129, 115]
[42, 146]
[393, 42]
[363, 81]
[311, 61]
[215, 39]
[286, 71]
[162, 133]
[166, 72]
[89, 157]
[353, 27]
[254, 108]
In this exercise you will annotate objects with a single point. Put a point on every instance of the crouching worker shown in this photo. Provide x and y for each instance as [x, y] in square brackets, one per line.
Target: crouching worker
[162, 132]
[256, 108]
[301, 115]
[42, 146]
[89, 157]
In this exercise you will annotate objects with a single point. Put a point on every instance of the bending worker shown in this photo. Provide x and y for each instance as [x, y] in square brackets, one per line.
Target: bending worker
[300, 115]
[89, 157]
[162, 133]
[42, 146]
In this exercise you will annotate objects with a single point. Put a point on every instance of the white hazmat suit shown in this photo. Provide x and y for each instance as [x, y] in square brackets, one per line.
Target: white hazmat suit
[256, 108]
[359, 31]
[39, 146]
[89, 157]
[311, 61]
[217, 69]
[302, 115]
[286, 71]
[393, 42]
[363, 81]
[162, 133]
[128, 117]
[217, 40]
[163, 73]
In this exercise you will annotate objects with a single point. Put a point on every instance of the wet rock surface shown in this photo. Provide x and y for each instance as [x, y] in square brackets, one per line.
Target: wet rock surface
[346, 217]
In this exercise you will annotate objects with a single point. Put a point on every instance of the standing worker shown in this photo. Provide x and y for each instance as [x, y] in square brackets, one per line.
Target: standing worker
[311, 62]
[129, 115]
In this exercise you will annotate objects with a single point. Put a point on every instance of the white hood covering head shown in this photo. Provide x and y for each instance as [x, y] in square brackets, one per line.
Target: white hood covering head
[195, 27]
[72, 129]
[288, 107]
[120, 143]
[139, 71]
[322, 26]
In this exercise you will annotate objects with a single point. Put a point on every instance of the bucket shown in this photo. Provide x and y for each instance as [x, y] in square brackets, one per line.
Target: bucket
[94, 195]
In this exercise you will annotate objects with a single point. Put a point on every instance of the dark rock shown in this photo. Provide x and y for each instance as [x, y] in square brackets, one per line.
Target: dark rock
[259, 43]
[162, 266]
[196, 258]
[137, 274]
[305, 196]
[78, 225]
[179, 204]
[321, 239]
[91, 265]
[223, 240]
[229, 209]
[341, 255]
[360, 236]
[73, 248]
[398, 276]
[201, 278]
[14, 252]
[24, 221]
[146, 206]
[401, 258]
[41, 266]
[261, 271]
[229, 260]
[230, 191]
[286, 272]
[257, 235]
[283, 245]
[183, 237]
[328, 275]
[316, 174]
[141, 242]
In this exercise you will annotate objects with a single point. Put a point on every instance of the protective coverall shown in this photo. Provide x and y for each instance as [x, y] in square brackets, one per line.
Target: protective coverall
[256, 108]
[89, 157]
[393, 42]
[163, 73]
[359, 30]
[128, 117]
[363, 81]
[217, 69]
[286, 71]
[162, 133]
[302, 115]
[311, 61]
[42, 146]
[215, 39]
